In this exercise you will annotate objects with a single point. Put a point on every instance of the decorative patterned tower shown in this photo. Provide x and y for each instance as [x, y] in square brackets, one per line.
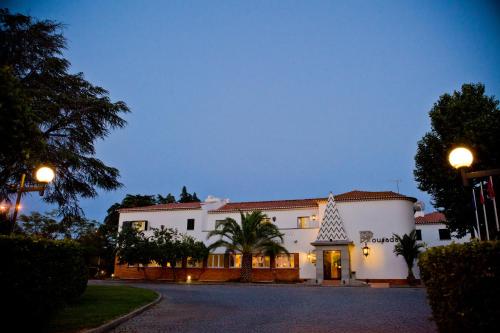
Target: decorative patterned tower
[332, 242]
[332, 227]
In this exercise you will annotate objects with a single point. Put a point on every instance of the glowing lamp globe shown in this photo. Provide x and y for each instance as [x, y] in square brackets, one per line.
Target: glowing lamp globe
[460, 157]
[45, 175]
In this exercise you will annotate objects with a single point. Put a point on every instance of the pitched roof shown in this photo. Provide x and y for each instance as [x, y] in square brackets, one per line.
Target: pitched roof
[170, 206]
[267, 205]
[305, 203]
[369, 195]
[431, 218]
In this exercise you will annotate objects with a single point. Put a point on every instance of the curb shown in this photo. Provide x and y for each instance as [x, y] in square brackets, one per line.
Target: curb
[113, 323]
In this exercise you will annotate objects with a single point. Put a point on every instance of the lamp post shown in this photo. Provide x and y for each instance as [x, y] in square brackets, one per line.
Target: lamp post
[43, 175]
[461, 158]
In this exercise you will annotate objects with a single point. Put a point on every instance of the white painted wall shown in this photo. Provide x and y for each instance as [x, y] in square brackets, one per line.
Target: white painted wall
[430, 235]
[383, 218]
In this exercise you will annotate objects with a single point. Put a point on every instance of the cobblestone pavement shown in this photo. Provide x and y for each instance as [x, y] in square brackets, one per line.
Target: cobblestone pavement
[267, 308]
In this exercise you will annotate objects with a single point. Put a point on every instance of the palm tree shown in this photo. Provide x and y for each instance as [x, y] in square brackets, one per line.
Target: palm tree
[253, 236]
[408, 247]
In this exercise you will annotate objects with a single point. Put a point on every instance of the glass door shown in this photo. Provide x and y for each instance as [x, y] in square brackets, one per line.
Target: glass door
[332, 269]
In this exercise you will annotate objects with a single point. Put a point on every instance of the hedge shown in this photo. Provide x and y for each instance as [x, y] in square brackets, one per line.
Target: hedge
[37, 277]
[463, 286]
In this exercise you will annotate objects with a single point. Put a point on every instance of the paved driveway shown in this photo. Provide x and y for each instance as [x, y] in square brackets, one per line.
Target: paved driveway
[249, 308]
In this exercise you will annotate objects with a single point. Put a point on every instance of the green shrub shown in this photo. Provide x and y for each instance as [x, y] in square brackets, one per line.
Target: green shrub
[463, 286]
[37, 277]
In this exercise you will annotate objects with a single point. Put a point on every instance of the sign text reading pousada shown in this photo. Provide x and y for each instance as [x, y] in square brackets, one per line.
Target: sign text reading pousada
[384, 240]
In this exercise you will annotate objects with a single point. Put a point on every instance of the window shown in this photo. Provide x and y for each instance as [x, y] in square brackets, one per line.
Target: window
[193, 263]
[215, 261]
[444, 234]
[418, 233]
[284, 261]
[259, 261]
[235, 260]
[137, 225]
[153, 264]
[303, 222]
[190, 224]
[178, 264]
[266, 220]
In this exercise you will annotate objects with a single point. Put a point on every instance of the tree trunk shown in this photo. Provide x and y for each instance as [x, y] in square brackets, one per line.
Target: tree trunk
[410, 278]
[246, 268]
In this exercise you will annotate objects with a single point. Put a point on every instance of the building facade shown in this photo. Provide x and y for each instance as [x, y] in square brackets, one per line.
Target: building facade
[341, 238]
[431, 229]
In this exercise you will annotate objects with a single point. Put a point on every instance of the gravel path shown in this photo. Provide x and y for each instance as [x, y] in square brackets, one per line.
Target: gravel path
[237, 308]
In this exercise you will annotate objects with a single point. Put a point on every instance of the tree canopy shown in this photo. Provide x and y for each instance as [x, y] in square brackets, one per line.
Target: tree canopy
[50, 116]
[470, 118]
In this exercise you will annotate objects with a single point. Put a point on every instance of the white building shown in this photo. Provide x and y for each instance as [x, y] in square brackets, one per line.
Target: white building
[325, 236]
[432, 230]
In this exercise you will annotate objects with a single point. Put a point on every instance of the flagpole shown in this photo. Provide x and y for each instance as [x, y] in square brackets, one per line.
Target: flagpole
[484, 212]
[475, 212]
[494, 202]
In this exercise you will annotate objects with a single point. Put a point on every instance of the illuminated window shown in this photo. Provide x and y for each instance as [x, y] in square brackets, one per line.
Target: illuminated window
[235, 260]
[178, 264]
[285, 261]
[193, 263]
[153, 264]
[303, 222]
[137, 225]
[259, 261]
[215, 261]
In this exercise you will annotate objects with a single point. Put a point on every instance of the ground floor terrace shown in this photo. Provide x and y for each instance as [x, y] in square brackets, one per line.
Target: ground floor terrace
[217, 268]
[282, 308]
[333, 267]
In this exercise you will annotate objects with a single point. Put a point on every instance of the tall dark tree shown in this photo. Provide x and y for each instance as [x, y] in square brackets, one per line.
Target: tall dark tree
[467, 117]
[185, 196]
[195, 198]
[54, 117]
[170, 198]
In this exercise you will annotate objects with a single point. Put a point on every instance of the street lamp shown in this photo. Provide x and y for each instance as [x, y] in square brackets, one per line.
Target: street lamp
[461, 158]
[43, 175]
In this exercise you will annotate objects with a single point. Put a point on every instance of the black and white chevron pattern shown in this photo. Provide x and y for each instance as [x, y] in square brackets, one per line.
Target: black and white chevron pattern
[332, 226]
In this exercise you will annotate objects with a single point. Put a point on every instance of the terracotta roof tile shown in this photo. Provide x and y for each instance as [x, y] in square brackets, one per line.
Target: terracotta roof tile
[431, 218]
[305, 203]
[369, 195]
[266, 205]
[170, 206]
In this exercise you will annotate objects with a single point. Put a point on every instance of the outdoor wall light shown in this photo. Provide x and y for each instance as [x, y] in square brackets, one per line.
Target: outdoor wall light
[460, 157]
[313, 217]
[188, 280]
[366, 250]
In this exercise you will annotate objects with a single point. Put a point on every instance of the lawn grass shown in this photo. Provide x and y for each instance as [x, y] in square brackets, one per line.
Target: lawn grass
[98, 305]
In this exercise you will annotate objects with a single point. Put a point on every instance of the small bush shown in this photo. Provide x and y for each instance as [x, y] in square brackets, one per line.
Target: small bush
[463, 286]
[37, 277]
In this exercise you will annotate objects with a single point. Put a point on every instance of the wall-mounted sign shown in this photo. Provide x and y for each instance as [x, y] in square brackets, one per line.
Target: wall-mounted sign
[365, 236]
[384, 240]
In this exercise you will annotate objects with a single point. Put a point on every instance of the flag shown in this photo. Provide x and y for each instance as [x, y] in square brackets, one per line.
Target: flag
[490, 190]
[481, 197]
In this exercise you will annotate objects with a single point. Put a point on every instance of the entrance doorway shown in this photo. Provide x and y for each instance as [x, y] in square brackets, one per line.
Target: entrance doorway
[332, 269]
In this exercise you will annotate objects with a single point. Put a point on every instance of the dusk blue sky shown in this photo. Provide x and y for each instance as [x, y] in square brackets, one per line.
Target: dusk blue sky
[263, 100]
